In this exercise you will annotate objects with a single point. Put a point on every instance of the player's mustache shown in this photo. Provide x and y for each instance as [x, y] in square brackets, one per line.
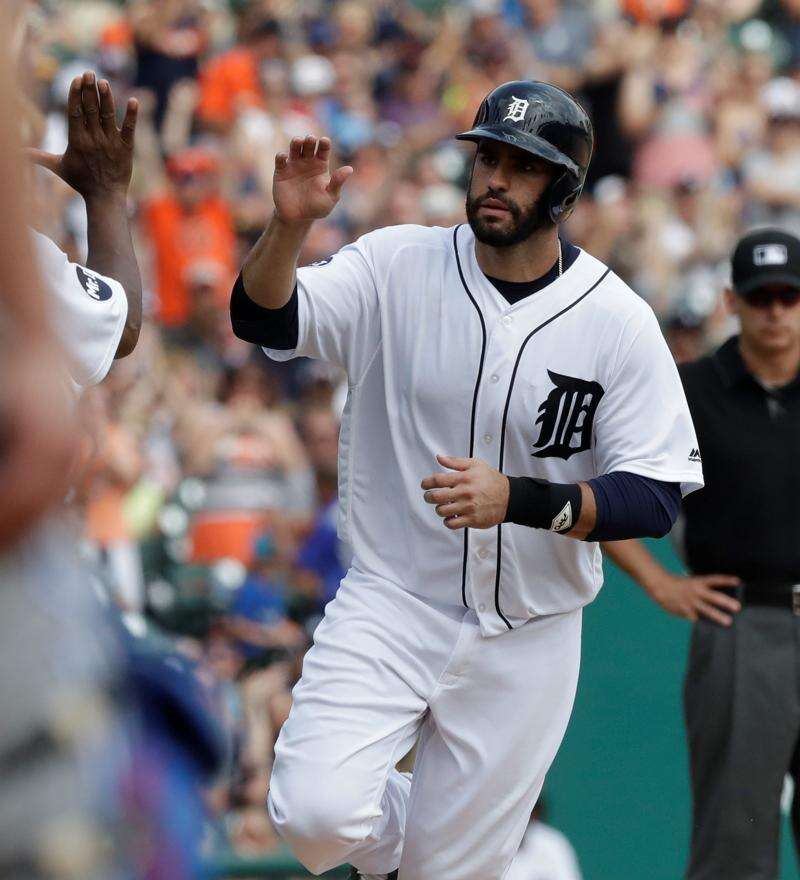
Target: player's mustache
[514, 209]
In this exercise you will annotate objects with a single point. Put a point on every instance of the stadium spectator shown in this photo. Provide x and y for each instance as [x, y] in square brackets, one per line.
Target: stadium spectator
[169, 37]
[232, 82]
[189, 224]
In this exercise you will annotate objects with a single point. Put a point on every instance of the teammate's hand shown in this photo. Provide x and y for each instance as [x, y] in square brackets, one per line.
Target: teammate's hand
[698, 596]
[98, 162]
[303, 187]
[472, 495]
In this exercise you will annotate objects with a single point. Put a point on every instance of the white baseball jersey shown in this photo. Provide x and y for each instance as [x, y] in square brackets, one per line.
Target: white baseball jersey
[88, 312]
[571, 383]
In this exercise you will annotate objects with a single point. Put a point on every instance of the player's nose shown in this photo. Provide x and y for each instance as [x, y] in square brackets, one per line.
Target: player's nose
[499, 179]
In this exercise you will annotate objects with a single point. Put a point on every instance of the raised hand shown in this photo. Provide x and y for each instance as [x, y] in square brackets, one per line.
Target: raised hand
[98, 162]
[304, 189]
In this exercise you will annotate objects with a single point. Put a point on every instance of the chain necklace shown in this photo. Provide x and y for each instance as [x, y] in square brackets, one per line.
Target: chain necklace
[560, 260]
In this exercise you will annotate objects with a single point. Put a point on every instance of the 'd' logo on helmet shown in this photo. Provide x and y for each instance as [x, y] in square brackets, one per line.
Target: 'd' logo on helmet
[516, 109]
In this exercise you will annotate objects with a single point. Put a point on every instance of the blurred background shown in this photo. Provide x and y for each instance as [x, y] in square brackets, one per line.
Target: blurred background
[207, 495]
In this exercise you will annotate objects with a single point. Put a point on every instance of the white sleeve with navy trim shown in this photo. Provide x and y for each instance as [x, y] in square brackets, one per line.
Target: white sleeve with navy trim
[88, 311]
[643, 425]
[337, 310]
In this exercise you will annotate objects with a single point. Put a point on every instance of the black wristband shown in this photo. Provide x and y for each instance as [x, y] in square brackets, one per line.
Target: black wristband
[541, 504]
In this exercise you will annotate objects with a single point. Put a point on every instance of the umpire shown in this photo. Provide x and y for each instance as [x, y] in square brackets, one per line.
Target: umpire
[742, 689]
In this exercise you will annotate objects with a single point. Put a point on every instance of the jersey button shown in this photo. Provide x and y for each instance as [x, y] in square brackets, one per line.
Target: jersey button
[483, 553]
[481, 607]
[487, 438]
[507, 319]
[494, 378]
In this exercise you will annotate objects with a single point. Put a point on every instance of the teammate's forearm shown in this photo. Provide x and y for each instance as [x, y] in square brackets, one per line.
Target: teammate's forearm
[111, 254]
[636, 561]
[269, 272]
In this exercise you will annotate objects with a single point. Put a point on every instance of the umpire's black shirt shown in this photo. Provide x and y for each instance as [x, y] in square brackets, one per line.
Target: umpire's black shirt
[746, 521]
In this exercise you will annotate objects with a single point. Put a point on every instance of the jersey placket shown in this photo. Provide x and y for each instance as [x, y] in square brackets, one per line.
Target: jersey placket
[504, 333]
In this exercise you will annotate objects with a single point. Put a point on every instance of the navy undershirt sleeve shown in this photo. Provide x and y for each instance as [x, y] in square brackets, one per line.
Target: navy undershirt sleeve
[270, 328]
[632, 506]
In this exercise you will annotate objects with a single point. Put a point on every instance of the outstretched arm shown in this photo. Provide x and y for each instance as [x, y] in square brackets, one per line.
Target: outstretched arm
[304, 190]
[37, 429]
[98, 164]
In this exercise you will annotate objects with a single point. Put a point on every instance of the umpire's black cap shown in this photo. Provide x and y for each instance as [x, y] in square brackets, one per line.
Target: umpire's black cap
[765, 256]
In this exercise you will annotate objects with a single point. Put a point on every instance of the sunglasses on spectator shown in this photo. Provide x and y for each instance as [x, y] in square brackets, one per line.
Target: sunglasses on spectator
[764, 297]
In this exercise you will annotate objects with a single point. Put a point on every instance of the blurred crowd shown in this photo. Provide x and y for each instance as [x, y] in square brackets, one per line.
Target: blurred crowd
[208, 485]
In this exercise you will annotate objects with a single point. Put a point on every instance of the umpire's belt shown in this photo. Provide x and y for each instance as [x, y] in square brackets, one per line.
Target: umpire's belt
[779, 594]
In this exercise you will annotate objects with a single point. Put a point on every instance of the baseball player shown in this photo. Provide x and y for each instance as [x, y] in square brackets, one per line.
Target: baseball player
[511, 402]
[54, 645]
[96, 309]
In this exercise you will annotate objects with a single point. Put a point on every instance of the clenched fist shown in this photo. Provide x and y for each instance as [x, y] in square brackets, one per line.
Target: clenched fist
[472, 495]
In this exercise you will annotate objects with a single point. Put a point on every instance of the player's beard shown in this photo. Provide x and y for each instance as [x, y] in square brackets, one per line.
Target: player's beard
[526, 221]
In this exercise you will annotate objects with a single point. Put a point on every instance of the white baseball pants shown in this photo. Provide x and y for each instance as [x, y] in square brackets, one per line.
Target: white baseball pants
[388, 668]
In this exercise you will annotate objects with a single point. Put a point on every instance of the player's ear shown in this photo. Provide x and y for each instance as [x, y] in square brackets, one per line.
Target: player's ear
[731, 301]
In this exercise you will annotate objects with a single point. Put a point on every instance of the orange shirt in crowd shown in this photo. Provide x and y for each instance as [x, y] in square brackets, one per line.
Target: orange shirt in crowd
[227, 82]
[181, 239]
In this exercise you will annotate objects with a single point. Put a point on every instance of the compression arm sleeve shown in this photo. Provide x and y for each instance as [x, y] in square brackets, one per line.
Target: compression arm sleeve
[628, 505]
[269, 328]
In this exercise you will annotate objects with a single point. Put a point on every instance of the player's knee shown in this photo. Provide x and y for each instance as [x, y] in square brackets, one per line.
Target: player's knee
[320, 816]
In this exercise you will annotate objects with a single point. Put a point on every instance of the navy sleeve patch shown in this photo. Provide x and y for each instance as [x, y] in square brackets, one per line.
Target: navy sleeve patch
[93, 285]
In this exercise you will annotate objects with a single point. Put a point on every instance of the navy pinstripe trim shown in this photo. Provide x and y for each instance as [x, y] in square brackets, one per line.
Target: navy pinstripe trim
[503, 430]
[474, 402]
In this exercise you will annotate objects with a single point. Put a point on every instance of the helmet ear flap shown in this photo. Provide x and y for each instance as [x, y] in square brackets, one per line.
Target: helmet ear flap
[561, 196]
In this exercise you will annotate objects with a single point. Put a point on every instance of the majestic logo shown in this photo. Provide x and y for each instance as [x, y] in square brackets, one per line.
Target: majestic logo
[694, 455]
[566, 417]
[94, 286]
[770, 255]
[323, 262]
[516, 109]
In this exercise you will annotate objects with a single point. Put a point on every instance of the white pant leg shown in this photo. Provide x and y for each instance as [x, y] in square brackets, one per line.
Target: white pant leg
[335, 796]
[497, 720]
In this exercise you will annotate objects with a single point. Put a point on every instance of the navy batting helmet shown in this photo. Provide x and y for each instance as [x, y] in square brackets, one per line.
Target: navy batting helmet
[547, 122]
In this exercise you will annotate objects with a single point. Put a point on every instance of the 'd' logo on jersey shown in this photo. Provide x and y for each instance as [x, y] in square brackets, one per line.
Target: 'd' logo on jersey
[94, 286]
[516, 109]
[566, 417]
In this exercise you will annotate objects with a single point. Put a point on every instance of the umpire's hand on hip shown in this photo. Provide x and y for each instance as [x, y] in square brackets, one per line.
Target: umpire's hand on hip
[98, 162]
[696, 596]
[470, 495]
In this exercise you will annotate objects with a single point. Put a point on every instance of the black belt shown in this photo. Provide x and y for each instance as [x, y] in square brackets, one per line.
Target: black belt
[778, 594]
